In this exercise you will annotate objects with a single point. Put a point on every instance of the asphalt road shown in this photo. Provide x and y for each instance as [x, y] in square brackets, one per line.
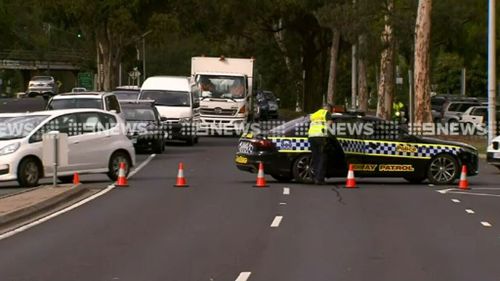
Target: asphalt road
[221, 228]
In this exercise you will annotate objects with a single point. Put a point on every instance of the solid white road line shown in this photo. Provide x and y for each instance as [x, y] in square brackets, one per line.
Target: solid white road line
[276, 222]
[243, 276]
[286, 191]
[470, 211]
[74, 206]
[282, 203]
[486, 224]
[144, 163]
[455, 200]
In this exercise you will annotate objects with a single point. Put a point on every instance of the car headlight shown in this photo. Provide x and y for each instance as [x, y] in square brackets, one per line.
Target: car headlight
[8, 149]
[185, 120]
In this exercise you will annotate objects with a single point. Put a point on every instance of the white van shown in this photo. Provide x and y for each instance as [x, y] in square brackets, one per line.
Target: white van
[178, 100]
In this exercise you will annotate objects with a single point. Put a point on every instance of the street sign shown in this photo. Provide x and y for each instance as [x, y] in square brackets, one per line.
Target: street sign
[86, 80]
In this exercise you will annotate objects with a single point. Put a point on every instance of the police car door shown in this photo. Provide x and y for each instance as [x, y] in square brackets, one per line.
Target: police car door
[350, 147]
[386, 152]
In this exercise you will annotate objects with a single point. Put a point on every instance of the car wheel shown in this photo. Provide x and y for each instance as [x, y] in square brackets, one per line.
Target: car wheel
[415, 180]
[443, 169]
[302, 169]
[190, 141]
[114, 164]
[282, 178]
[29, 172]
[498, 167]
[66, 179]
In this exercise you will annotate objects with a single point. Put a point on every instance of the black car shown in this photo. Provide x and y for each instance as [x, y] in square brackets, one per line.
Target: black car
[267, 105]
[145, 126]
[375, 147]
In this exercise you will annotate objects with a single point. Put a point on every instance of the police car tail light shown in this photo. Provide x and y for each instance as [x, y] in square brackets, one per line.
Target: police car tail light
[263, 144]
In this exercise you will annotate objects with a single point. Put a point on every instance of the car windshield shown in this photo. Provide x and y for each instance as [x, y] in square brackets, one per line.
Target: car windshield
[139, 114]
[166, 98]
[74, 103]
[126, 95]
[221, 86]
[19, 127]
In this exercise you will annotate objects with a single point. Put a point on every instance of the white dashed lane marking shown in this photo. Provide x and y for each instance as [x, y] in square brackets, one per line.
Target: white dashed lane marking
[486, 224]
[470, 211]
[243, 276]
[455, 200]
[286, 191]
[276, 222]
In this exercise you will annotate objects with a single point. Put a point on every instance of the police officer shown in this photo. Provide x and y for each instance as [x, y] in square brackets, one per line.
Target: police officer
[318, 139]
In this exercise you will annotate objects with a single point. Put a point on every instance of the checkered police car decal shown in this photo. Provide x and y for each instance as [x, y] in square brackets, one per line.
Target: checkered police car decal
[371, 147]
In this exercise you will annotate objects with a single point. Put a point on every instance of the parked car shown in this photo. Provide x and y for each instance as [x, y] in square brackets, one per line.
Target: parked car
[146, 129]
[266, 105]
[99, 100]
[127, 92]
[440, 102]
[42, 86]
[96, 144]
[453, 110]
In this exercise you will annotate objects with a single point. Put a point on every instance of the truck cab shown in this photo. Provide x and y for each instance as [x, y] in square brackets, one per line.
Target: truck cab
[225, 85]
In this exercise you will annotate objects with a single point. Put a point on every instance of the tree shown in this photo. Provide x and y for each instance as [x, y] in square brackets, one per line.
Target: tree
[386, 80]
[422, 62]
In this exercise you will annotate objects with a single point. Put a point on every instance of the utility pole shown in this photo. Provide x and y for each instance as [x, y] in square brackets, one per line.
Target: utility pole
[354, 73]
[491, 71]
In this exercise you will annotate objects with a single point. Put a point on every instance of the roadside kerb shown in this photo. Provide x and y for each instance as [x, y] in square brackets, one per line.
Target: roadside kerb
[62, 194]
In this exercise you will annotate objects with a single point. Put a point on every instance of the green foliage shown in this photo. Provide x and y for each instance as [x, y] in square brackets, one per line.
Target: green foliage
[181, 29]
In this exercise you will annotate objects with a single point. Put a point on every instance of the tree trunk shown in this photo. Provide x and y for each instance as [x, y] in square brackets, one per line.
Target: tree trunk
[386, 84]
[332, 78]
[279, 37]
[362, 73]
[422, 63]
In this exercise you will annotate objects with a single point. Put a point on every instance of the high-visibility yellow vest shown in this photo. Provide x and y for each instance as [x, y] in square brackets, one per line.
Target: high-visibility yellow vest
[318, 124]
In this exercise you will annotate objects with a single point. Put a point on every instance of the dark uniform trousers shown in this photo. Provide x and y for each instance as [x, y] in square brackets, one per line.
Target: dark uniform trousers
[319, 157]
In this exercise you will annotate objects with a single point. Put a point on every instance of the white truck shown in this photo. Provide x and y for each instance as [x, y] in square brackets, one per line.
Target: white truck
[226, 92]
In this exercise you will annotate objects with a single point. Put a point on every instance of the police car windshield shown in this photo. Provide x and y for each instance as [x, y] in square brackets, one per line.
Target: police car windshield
[290, 127]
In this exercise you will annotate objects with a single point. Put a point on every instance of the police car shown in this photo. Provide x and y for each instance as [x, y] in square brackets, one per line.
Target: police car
[375, 147]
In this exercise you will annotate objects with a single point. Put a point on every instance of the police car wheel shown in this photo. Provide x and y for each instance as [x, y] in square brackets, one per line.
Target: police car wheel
[302, 168]
[443, 169]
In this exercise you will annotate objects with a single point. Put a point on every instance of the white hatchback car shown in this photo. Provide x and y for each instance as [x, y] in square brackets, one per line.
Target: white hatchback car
[96, 144]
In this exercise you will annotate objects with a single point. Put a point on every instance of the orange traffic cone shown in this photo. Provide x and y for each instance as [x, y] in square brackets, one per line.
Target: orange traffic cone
[261, 180]
[181, 180]
[122, 178]
[463, 183]
[76, 179]
[351, 181]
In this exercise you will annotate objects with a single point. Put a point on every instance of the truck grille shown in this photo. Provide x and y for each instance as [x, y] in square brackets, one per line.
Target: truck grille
[218, 111]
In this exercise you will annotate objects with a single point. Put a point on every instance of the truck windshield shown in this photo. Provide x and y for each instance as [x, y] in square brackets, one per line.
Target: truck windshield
[220, 86]
[166, 98]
